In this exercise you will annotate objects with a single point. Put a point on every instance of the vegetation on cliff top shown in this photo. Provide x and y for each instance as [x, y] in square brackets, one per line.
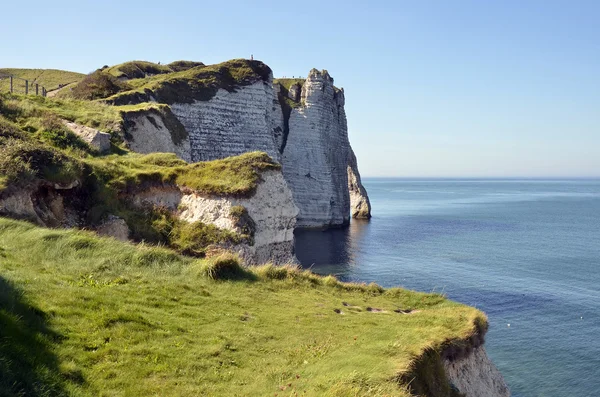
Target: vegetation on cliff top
[142, 69]
[198, 83]
[82, 315]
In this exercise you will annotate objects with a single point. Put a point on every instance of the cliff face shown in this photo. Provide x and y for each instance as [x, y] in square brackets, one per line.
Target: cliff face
[269, 215]
[309, 139]
[476, 376]
[317, 154]
[156, 130]
[231, 123]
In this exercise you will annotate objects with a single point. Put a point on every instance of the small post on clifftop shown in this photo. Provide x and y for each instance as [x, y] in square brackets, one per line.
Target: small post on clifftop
[37, 88]
[11, 84]
[26, 87]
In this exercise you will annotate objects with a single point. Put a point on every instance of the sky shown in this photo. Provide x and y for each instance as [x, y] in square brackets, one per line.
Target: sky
[433, 88]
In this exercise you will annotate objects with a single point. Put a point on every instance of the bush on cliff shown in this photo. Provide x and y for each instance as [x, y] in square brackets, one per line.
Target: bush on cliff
[97, 85]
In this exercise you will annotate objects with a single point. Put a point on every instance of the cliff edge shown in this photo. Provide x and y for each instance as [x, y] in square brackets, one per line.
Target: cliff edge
[210, 112]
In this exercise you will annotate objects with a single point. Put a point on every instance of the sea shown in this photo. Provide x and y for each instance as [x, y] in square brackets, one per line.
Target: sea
[526, 252]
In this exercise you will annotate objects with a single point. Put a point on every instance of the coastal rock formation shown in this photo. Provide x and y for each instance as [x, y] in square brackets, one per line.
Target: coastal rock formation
[359, 200]
[303, 127]
[317, 154]
[474, 375]
[270, 213]
[232, 123]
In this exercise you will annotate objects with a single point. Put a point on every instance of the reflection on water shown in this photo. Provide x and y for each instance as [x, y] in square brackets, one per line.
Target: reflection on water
[329, 250]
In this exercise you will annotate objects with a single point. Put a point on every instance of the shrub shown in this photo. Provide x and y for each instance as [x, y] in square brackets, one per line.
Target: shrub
[226, 266]
[98, 85]
[22, 161]
[179, 66]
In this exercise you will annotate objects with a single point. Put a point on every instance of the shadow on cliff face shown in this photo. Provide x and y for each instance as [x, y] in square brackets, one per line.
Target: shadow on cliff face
[27, 365]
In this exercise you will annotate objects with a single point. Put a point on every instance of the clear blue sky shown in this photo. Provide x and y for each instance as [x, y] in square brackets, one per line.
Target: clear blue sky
[433, 88]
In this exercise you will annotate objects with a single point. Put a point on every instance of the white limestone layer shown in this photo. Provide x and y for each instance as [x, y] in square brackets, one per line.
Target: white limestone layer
[316, 155]
[271, 208]
[232, 123]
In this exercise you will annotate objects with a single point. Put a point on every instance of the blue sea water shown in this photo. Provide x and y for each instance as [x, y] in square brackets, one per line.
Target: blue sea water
[527, 252]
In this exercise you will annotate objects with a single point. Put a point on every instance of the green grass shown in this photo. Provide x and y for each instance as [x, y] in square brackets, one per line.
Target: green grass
[232, 176]
[137, 69]
[28, 111]
[198, 83]
[48, 78]
[287, 83]
[88, 316]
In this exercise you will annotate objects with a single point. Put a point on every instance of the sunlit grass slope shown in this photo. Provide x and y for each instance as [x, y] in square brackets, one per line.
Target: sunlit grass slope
[50, 79]
[88, 316]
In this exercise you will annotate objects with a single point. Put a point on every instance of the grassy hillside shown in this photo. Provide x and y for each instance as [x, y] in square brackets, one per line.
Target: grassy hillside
[51, 79]
[36, 149]
[85, 316]
[182, 81]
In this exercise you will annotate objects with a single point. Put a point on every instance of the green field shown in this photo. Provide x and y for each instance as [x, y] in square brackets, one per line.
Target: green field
[88, 316]
[50, 79]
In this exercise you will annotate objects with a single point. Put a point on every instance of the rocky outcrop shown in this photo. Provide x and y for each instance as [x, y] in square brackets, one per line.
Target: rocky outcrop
[97, 140]
[114, 227]
[45, 204]
[474, 375]
[156, 130]
[270, 211]
[317, 152]
[360, 205]
[303, 127]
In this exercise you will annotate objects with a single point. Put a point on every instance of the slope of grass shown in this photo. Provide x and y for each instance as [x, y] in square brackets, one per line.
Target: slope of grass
[85, 316]
[50, 79]
[28, 111]
[198, 83]
[231, 176]
[137, 69]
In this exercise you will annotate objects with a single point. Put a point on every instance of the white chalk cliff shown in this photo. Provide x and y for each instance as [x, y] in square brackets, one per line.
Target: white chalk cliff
[311, 142]
[317, 155]
[271, 211]
[474, 375]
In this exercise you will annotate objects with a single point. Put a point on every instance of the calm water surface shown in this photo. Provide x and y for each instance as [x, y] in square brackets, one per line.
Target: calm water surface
[526, 252]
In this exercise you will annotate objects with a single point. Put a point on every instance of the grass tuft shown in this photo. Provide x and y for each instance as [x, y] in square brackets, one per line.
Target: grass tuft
[225, 266]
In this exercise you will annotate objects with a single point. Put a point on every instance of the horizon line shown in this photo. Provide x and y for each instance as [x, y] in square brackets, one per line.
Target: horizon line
[485, 177]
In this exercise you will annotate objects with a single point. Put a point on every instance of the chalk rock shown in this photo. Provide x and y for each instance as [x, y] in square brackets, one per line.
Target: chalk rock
[316, 156]
[156, 130]
[96, 139]
[360, 206]
[271, 210]
[476, 376]
[232, 123]
[295, 92]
